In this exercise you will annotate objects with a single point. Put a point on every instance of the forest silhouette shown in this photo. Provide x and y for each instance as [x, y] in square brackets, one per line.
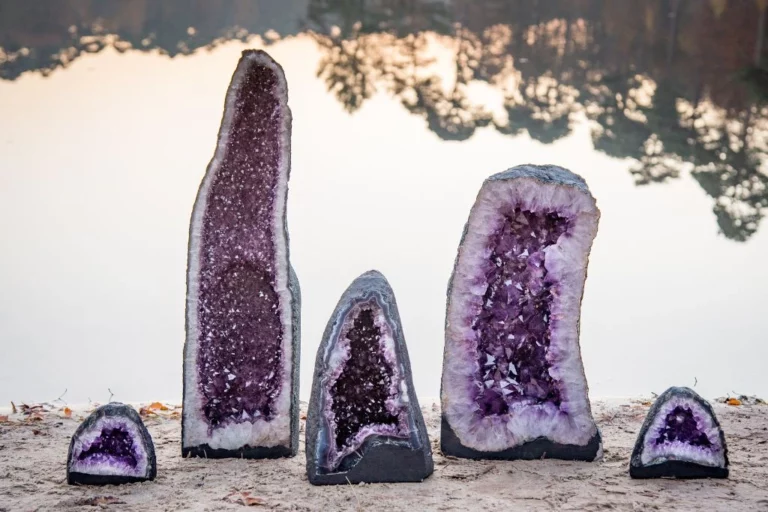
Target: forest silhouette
[674, 85]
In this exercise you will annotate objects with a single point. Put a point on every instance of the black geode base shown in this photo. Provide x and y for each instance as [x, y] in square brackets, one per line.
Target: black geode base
[381, 460]
[246, 452]
[677, 469]
[77, 478]
[541, 448]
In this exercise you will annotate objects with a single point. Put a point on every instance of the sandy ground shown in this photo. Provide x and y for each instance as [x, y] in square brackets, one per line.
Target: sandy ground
[33, 450]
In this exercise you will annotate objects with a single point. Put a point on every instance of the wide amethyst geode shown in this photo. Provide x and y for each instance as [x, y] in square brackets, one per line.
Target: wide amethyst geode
[111, 446]
[364, 423]
[241, 356]
[680, 438]
[513, 381]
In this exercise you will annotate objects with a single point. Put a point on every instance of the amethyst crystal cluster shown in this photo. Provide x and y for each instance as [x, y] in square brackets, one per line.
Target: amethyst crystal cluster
[680, 438]
[111, 446]
[364, 423]
[513, 382]
[241, 353]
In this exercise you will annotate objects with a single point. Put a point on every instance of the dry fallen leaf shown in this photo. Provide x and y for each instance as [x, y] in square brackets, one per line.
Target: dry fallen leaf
[646, 403]
[3, 419]
[244, 498]
[146, 411]
[67, 412]
[155, 406]
[175, 415]
[733, 401]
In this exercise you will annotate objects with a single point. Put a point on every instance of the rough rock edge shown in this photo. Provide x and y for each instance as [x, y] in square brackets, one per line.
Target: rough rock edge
[450, 441]
[676, 468]
[383, 459]
[190, 355]
[127, 413]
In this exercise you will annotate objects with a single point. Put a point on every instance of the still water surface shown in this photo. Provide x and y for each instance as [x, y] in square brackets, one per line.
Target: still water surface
[109, 113]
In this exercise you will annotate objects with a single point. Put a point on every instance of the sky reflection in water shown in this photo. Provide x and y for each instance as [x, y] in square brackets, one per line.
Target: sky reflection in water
[399, 114]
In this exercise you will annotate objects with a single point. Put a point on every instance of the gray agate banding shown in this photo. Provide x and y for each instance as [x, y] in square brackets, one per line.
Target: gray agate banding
[513, 384]
[241, 356]
[680, 438]
[364, 423]
[111, 446]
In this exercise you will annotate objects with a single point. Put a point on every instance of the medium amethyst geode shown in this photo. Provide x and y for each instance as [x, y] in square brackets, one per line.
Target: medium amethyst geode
[111, 446]
[241, 356]
[680, 438]
[513, 382]
[364, 423]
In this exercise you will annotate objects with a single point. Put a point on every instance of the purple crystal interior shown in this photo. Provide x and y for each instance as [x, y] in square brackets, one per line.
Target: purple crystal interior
[513, 323]
[239, 358]
[113, 446]
[680, 425]
[359, 395]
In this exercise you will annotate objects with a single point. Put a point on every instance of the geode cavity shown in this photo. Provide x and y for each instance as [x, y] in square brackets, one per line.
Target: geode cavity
[241, 356]
[364, 423]
[513, 382]
[680, 438]
[111, 446]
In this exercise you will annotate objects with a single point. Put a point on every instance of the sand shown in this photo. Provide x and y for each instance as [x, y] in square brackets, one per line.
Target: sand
[33, 450]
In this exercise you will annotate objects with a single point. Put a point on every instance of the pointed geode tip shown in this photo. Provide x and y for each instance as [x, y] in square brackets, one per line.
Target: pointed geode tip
[111, 446]
[680, 438]
[364, 423]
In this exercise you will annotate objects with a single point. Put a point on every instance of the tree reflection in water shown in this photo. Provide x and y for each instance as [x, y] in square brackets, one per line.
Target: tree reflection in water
[675, 86]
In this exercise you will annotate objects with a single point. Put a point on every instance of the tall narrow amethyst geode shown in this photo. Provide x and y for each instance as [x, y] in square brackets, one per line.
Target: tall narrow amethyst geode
[111, 446]
[680, 438]
[364, 423]
[241, 356]
[513, 382]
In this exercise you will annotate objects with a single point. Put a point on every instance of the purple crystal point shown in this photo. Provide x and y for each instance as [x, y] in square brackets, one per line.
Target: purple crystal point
[241, 354]
[111, 446]
[513, 382]
[680, 438]
[364, 423]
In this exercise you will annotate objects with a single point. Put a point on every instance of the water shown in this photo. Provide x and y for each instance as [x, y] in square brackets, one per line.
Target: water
[109, 113]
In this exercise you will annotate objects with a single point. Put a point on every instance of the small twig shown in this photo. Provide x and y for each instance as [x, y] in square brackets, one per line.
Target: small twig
[695, 381]
[13, 407]
[60, 399]
[354, 493]
[111, 394]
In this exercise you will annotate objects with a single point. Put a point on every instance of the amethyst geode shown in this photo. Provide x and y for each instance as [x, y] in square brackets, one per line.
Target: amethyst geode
[680, 438]
[241, 356]
[364, 423]
[111, 446]
[513, 382]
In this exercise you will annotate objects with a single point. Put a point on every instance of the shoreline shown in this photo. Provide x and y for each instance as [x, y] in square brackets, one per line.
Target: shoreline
[33, 470]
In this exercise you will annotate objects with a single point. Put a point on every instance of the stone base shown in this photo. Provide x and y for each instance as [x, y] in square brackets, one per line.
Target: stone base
[246, 452]
[76, 478]
[379, 460]
[677, 469]
[541, 448]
